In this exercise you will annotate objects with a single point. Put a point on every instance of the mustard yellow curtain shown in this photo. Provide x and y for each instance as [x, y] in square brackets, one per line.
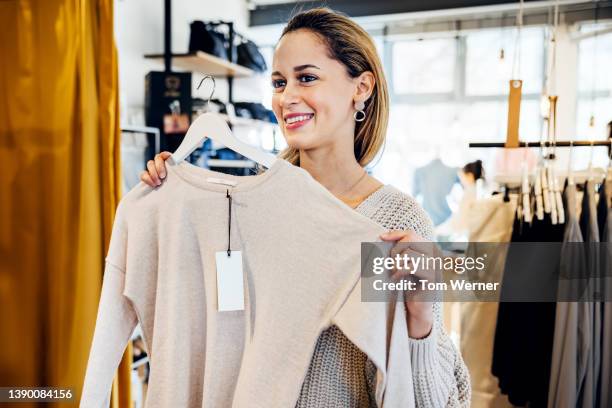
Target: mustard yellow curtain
[59, 187]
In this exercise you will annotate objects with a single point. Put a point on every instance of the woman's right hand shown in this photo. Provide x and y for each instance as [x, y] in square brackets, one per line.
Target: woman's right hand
[156, 170]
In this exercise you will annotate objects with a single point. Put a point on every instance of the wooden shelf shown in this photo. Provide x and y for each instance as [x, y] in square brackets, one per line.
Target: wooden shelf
[205, 64]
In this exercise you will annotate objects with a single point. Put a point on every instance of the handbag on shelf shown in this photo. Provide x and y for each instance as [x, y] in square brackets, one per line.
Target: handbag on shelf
[250, 57]
[204, 37]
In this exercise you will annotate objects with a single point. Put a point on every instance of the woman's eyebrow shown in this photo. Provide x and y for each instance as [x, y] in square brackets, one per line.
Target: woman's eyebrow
[298, 68]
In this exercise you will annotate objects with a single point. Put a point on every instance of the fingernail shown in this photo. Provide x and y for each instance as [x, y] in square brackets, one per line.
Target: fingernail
[162, 174]
[158, 183]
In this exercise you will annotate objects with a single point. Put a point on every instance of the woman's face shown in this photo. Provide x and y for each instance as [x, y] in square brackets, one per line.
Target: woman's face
[313, 95]
[466, 178]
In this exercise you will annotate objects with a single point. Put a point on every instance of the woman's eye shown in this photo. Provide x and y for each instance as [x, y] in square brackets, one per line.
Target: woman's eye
[278, 83]
[307, 78]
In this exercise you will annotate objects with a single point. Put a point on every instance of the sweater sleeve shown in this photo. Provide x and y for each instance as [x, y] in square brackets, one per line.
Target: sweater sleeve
[114, 325]
[441, 378]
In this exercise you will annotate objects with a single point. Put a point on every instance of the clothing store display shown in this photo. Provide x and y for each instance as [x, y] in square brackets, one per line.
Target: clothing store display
[507, 161]
[434, 182]
[336, 374]
[605, 386]
[488, 220]
[249, 56]
[459, 221]
[161, 272]
[588, 215]
[603, 204]
[205, 37]
[590, 233]
[522, 362]
[604, 223]
[572, 336]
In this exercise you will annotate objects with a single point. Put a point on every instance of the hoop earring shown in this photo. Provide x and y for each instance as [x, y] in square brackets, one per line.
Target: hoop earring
[359, 114]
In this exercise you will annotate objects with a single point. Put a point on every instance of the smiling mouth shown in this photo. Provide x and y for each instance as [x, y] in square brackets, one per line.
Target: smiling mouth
[297, 121]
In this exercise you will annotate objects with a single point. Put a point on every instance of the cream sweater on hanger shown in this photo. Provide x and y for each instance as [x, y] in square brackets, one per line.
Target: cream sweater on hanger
[301, 261]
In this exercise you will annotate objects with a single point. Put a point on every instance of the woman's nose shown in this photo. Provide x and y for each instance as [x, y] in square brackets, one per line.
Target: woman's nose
[290, 95]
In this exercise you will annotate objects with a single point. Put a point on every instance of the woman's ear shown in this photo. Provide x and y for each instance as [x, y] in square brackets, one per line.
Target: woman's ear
[365, 83]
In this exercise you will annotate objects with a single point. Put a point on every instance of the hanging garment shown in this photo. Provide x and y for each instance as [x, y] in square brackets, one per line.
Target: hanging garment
[604, 221]
[605, 385]
[507, 161]
[489, 220]
[459, 222]
[603, 204]
[588, 215]
[572, 336]
[590, 233]
[433, 182]
[522, 349]
[161, 272]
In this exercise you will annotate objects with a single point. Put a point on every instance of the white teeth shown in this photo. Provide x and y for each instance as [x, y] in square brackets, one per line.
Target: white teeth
[297, 119]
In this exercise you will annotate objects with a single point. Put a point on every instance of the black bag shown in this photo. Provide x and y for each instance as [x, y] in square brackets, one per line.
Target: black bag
[204, 37]
[250, 57]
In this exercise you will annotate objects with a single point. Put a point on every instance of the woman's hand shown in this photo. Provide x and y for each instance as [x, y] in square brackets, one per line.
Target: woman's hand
[156, 170]
[419, 313]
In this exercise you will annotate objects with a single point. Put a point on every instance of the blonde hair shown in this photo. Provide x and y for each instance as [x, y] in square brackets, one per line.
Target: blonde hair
[352, 46]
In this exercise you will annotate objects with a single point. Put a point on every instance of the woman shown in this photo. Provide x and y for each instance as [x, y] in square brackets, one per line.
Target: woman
[330, 99]
[457, 226]
[471, 173]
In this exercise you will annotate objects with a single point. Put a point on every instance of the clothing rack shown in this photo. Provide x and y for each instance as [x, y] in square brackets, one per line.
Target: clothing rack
[564, 143]
[577, 143]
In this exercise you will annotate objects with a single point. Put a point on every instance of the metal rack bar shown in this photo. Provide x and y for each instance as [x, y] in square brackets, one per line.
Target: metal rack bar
[144, 129]
[577, 143]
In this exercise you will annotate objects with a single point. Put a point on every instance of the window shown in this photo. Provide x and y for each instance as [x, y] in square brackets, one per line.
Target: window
[594, 102]
[447, 92]
[489, 59]
[423, 66]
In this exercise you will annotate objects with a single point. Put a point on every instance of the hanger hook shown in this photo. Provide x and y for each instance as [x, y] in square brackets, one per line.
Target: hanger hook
[590, 168]
[213, 88]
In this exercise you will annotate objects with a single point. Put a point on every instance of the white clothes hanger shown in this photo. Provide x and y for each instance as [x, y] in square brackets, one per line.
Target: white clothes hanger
[213, 126]
[590, 167]
[526, 204]
[537, 189]
[570, 171]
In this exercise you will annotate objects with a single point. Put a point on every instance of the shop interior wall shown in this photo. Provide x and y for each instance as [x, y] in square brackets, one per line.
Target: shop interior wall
[139, 30]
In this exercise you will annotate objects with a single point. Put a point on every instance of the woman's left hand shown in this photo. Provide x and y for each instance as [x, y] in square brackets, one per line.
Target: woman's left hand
[419, 313]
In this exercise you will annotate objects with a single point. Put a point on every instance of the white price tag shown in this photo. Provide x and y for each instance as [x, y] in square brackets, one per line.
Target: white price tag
[230, 281]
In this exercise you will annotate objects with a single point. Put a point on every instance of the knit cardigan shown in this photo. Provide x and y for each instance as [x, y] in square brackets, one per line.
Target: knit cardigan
[341, 375]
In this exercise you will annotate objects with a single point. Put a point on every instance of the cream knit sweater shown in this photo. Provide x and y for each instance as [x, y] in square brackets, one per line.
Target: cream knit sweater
[341, 375]
[160, 272]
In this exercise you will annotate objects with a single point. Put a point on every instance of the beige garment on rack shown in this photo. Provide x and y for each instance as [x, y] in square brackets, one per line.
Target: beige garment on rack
[489, 220]
[301, 259]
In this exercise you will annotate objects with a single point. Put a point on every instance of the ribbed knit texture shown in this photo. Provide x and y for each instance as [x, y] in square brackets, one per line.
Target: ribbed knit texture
[340, 375]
